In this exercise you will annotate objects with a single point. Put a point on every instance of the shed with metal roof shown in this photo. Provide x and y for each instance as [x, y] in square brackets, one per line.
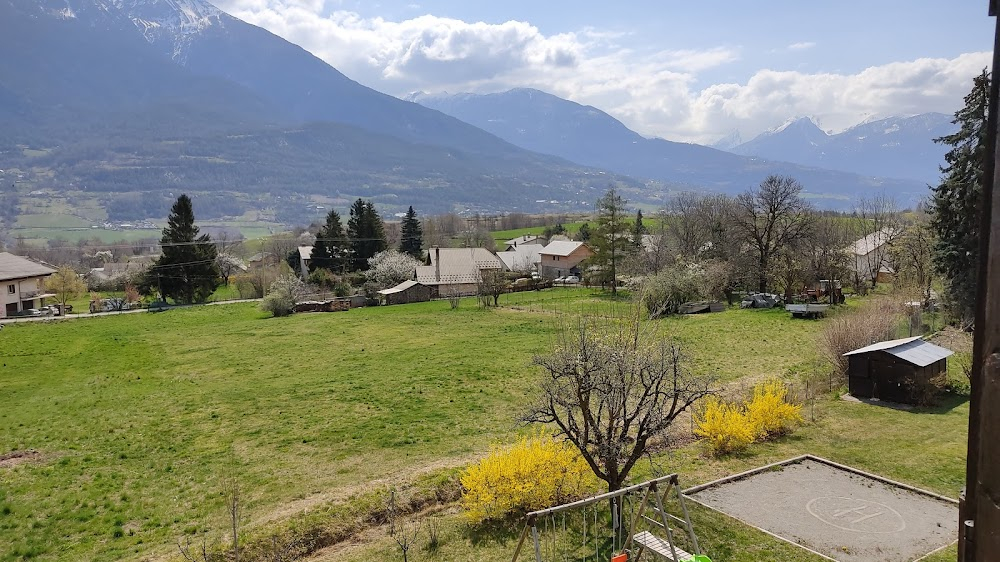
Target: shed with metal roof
[903, 370]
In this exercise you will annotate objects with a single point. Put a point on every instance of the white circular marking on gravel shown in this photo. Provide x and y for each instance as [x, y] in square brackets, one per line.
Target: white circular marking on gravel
[856, 515]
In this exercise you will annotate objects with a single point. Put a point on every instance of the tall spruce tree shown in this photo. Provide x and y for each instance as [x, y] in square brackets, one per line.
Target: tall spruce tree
[612, 241]
[330, 250]
[955, 203]
[186, 270]
[366, 232]
[638, 229]
[412, 235]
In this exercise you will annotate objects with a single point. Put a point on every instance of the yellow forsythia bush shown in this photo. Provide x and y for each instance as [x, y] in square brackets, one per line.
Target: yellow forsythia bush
[769, 412]
[728, 428]
[724, 427]
[536, 472]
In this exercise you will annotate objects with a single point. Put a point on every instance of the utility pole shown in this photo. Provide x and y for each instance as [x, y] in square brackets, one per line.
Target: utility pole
[979, 511]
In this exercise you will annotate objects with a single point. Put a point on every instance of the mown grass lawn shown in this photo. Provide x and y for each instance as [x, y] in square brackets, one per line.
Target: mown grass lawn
[137, 418]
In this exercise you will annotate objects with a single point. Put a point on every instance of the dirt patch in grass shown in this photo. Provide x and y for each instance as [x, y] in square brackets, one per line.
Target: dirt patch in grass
[15, 458]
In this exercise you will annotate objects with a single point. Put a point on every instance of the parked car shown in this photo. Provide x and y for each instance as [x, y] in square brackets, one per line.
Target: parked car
[572, 279]
[559, 280]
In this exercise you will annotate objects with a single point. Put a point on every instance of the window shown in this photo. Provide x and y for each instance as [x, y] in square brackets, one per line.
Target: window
[11, 289]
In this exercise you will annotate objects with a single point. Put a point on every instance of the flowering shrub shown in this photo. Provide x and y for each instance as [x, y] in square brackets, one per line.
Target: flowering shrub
[724, 427]
[536, 472]
[728, 428]
[769, 412]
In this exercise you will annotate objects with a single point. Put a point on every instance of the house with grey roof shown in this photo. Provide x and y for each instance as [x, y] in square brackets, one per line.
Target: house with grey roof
[871, 255]
[22, 284]
[524, 239]
[523, 258]
[456, 271]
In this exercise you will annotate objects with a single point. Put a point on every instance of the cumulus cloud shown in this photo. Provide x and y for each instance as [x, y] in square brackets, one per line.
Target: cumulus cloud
[656, 93]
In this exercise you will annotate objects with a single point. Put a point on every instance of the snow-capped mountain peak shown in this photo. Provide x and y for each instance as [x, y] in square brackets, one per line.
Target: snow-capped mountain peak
[166, 23]
[807, 123]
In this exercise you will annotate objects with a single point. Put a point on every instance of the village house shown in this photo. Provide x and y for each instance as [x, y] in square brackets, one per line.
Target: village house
[263, 260]
[456, 271]
[561, 258]
[305, 256]
[523, 258]
[525, 239]
[22, 284]
[871, 254]
[405, 293]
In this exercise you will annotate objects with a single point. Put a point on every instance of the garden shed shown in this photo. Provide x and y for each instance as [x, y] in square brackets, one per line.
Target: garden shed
[405, 292]
[896, 370]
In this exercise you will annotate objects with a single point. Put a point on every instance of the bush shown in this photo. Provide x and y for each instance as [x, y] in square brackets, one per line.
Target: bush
[536, 472]
[284, 293]
[666, 291]
[724, 427]
[769, 412]
[732, 427]
[877, 321]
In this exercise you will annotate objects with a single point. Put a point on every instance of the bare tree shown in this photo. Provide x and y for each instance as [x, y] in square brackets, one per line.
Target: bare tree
[492, 283]
[612, 387]
[912, 254]
[830, 260]
[233, 491]
[401, 531]
[877, 222]
[684, 223]
[769, 218]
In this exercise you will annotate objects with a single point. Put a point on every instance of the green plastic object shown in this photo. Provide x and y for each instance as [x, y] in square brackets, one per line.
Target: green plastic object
[701, 558]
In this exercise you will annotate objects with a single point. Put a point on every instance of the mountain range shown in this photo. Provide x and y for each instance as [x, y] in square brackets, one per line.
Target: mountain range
[900, 147]
[123, 96]
[583, 134]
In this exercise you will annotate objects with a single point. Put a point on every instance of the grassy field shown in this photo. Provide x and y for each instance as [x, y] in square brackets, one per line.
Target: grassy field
[136, 418]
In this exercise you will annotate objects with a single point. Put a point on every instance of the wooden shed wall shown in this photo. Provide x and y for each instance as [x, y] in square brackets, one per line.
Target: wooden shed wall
[884, 376]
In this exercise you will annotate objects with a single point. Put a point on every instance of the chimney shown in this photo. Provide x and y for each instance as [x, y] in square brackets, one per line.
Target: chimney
[437, 264]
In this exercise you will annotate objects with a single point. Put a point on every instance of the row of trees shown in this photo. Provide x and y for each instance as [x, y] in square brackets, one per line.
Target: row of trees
[340, 251]
[767, 238]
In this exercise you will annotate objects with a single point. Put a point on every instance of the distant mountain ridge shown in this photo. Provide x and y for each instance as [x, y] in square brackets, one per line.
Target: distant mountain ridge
[586, 135]
[900, 147]
[166, 95]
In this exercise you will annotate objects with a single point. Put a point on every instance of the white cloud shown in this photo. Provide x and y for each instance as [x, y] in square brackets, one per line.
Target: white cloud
[656, 93]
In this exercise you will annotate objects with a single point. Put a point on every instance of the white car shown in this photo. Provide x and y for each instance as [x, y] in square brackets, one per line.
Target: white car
[559, 280]
[571, 279]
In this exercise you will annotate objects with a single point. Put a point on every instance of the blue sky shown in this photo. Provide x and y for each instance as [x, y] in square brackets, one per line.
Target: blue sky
[692, 71]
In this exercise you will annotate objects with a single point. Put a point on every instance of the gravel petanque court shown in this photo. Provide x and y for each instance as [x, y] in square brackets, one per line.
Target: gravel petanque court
[835, 512]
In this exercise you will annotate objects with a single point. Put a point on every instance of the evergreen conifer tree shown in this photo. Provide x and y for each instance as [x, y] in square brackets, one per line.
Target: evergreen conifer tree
[412, 235]
[186, 270]
[330, 250]
[611, 242]
[638, 229]
[366, 232]
[955, 201]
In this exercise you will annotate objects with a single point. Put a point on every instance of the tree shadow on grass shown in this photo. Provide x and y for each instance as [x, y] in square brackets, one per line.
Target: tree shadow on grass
[499, 533]
[945, 404]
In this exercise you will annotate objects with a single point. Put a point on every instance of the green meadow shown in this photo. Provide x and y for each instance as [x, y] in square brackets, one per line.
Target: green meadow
[130, 423]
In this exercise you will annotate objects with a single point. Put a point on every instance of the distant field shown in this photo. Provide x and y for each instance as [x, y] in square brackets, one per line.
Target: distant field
[136, 418]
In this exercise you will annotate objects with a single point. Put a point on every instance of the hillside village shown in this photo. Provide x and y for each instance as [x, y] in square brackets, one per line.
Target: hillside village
[287, 281]
[857, 276]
